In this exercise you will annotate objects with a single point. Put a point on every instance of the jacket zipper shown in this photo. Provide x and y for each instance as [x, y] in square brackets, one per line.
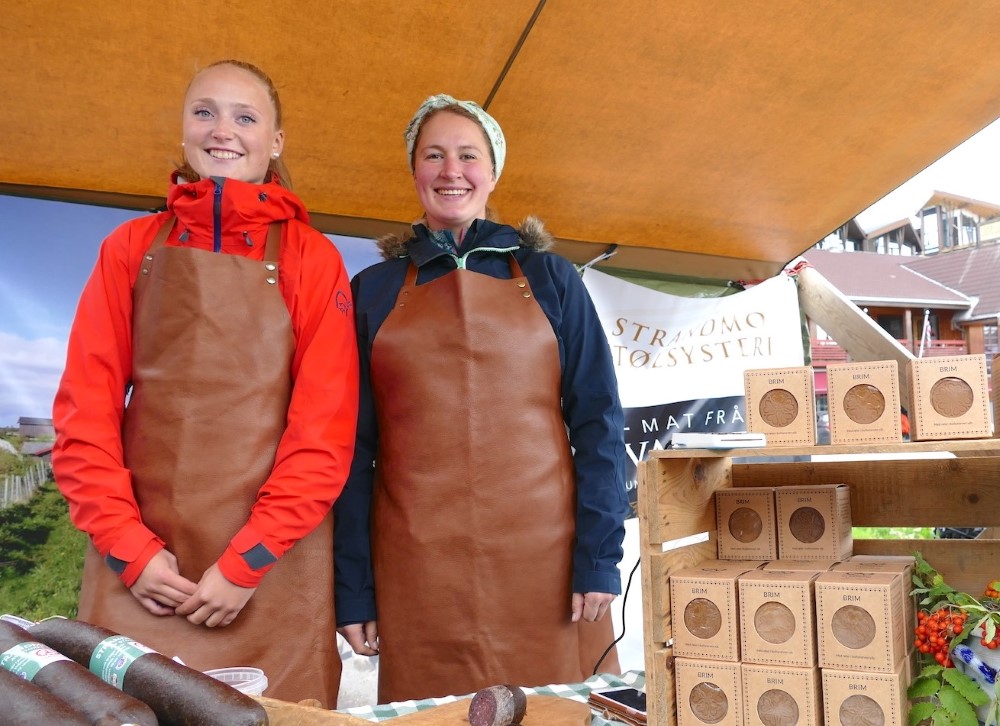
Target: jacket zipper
[217, 217]
[460, 262]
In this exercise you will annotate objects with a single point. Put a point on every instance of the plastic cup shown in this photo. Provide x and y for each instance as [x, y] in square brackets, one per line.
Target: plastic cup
[250, 681]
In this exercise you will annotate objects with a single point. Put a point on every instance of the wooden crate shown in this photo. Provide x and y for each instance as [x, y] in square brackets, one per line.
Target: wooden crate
[675, 501]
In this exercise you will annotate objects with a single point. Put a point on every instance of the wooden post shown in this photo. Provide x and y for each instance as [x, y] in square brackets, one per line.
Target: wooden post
[853, 330]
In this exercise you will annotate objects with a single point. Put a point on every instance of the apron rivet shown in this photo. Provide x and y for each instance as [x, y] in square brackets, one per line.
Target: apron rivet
[522, 283]
[270, 266]
[149, 257]
[145, 270]
[526, 294]
[270, 280]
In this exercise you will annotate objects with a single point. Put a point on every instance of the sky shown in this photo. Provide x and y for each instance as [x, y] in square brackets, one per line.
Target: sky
[48, 250]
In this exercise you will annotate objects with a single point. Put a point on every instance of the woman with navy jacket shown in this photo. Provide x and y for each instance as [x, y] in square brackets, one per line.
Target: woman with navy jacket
[478, 537]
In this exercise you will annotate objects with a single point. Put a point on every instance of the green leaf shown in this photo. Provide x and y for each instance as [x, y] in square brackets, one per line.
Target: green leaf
[920, 712]
[958, 706]
[969, 689]
[922, 688]
[942, 718]
[951, 699]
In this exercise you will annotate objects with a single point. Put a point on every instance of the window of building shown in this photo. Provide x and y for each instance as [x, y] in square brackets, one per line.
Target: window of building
[892, 324]
[991, 345]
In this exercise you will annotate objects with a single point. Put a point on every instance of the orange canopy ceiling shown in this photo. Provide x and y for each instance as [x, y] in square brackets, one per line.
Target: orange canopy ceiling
[714, 139]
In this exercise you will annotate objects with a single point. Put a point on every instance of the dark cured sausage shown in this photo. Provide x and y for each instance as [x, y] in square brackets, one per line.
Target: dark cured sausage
[179, 695]
[72, 682]
[498, 706]
[25, 704]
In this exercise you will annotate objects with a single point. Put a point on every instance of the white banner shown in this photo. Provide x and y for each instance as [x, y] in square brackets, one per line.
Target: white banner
[680, 360]
[680, 364]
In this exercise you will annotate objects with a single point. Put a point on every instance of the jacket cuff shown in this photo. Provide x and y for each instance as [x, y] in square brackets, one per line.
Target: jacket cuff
[130, 554]
[584, 582]
[354, 610]
[246, 559]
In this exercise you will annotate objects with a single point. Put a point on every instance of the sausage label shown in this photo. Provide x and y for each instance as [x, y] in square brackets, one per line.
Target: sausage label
[112, 657]
[26, 659]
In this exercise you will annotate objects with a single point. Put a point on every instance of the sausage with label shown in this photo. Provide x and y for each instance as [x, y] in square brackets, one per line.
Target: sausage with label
[73, 683]
[178, 694]
[25, 704]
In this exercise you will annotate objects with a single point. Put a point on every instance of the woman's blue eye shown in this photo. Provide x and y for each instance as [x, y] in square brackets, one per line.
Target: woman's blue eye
[202, 112]
[245, 119]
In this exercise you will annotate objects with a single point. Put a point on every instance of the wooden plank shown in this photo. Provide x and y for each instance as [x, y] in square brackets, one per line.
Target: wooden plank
[661, 698]
[965, 564]
[959, 448]
[285, 713]
[661, 566]
[541, 711]
[958, 492]
[850, 326]
[683, 503]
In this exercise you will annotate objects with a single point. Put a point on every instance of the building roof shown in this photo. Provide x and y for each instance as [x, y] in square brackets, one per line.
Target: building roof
[973, 270]
[910, 235]
[36, 448]
[868, 278]
[983, 210]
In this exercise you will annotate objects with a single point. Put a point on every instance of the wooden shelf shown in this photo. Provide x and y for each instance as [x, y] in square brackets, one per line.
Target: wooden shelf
[915, 484]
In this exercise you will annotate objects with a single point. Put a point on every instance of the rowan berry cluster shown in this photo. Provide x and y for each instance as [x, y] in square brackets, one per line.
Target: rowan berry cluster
[935, 632]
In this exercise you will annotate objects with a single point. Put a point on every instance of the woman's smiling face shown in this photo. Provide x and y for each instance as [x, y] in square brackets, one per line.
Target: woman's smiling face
[452, 171]
[230, 125]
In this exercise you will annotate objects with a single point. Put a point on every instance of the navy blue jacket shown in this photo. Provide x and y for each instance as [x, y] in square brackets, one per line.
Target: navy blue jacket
[591, 407]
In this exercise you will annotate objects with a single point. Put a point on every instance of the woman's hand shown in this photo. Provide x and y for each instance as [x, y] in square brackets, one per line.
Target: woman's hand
[362, 637]
[216, 602]
[160, 587]
[591, 606]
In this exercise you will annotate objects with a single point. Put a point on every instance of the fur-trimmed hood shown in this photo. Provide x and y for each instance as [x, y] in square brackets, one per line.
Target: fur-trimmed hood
[531, 231]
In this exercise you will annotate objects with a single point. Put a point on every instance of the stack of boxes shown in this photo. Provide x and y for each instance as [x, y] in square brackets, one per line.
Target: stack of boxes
[949, 399]
[786, 626]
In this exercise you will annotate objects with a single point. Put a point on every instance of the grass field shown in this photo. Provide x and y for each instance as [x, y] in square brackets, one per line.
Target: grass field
[893, 533]
[42, 557]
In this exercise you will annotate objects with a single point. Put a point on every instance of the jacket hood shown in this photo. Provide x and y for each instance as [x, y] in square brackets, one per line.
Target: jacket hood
[244, 209]
[531, 233]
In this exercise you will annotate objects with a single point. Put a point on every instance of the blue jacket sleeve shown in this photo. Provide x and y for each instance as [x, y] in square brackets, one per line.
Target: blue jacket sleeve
[593, 414]
[354, 587]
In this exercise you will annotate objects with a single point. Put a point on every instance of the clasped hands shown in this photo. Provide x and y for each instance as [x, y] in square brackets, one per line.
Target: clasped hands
[213, 601]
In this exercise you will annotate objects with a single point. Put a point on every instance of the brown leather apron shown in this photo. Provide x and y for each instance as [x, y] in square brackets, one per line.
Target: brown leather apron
[212, 351]
[473, 521]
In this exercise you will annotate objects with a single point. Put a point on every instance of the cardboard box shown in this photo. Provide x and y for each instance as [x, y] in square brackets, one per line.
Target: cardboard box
[860, 622]
[995, 395]
[814, 522]
[708, 692]
[774, 695]
[777, 623]
[950, 398]
[800, 565]
[705, 606]
[901, 565]
[858, 697]
[745, 522]
[864, 402]
[780, 404]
